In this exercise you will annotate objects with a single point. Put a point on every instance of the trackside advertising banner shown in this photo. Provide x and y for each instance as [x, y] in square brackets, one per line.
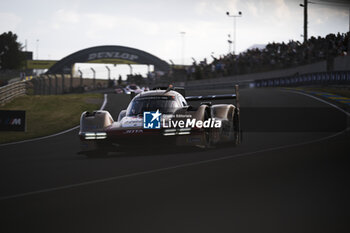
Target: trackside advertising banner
[12, 120]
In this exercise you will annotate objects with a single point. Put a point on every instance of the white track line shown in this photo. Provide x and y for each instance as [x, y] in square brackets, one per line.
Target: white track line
[173, 167]
[56, 134]
[163, 169]
[104, 102]
[321, 100]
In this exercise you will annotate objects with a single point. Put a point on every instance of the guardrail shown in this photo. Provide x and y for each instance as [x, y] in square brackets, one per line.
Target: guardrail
[10, 91]
[212, 86]
[322, 78]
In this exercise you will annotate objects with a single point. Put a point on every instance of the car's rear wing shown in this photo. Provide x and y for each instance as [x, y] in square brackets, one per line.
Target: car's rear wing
[181, 90]
[216, 97]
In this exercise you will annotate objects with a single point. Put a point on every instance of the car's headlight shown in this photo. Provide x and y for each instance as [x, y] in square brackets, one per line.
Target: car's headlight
[181, 131]
[93, 136]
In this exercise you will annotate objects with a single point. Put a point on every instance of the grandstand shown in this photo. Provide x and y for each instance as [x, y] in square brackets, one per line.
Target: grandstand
[274, 56]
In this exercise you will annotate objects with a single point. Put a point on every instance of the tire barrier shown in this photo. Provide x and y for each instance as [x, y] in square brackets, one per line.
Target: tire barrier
[11, 91]
[322, 78]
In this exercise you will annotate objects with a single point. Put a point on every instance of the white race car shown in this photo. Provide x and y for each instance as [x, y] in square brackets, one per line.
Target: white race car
[163, 116]
[132, 89]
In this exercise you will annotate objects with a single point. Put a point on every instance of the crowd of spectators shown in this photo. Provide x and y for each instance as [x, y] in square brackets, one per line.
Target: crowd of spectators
[273, 56]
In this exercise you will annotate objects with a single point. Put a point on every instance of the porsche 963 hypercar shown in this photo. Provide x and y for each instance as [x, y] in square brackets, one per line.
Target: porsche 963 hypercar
[162, 114]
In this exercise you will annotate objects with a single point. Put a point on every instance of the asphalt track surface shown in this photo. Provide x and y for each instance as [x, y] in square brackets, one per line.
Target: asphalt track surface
[289, 174]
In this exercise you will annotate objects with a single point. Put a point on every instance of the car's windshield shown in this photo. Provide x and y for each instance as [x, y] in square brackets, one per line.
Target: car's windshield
[133, 87]
[165, 105]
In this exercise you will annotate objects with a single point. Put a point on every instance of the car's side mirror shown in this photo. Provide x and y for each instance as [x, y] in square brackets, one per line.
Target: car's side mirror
[122, 114]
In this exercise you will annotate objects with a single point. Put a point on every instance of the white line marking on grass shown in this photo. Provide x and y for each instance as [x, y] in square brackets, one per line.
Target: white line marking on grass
[56, 134]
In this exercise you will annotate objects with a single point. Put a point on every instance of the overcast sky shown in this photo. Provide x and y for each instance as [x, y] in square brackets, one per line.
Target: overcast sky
[66, 26]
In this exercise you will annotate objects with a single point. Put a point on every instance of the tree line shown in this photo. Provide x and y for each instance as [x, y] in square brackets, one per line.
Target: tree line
[11, 54]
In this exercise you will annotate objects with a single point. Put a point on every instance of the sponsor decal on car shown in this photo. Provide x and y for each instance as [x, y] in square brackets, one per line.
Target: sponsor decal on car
[132, 131]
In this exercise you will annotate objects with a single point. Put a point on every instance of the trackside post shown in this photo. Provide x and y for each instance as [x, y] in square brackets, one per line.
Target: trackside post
[237, 95]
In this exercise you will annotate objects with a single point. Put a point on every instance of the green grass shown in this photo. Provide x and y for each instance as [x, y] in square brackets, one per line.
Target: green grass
[49, 114]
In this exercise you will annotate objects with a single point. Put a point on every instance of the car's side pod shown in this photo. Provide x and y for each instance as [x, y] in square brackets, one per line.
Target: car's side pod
[95, 121]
